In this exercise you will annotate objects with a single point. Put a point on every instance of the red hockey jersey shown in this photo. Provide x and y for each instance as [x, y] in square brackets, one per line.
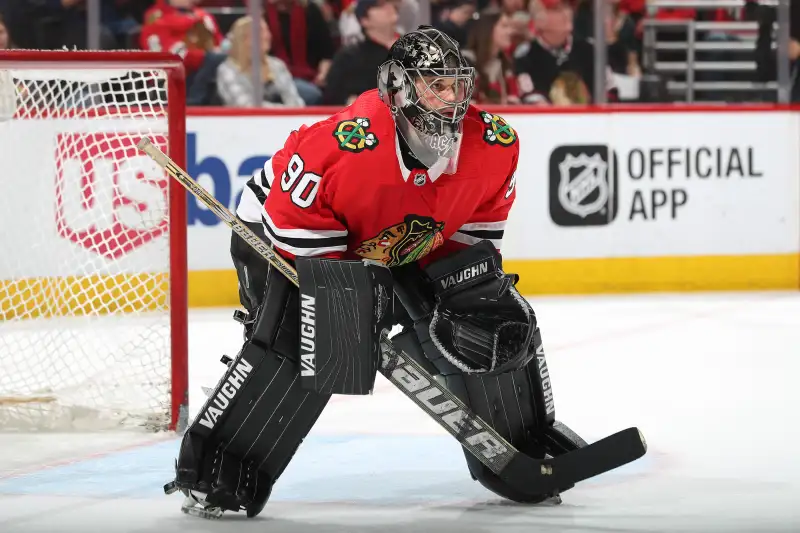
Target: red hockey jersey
[185, 32]
[338, 188]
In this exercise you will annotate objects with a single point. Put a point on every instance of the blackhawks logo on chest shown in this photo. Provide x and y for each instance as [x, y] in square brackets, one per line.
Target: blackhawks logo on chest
[404, 242]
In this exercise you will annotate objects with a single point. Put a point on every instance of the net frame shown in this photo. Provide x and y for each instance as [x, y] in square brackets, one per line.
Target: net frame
[173, 67]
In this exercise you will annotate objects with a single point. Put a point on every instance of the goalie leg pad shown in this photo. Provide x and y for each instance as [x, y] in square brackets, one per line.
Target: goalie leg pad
[345, 306]
[242, 441]
[505, 401]
[258, 415]
[517, 404]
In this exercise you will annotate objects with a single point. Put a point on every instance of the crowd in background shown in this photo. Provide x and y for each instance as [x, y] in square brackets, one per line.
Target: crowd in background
[326, 52]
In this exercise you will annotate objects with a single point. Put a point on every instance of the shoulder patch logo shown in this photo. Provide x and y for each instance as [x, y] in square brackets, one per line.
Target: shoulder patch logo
[498, 131]
[353, 135]
[152, 16]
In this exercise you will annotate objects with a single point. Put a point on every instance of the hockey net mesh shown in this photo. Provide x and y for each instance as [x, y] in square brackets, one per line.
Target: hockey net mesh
[84, 273]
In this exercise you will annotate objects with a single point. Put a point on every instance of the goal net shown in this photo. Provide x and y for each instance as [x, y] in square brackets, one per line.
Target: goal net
[92, 270]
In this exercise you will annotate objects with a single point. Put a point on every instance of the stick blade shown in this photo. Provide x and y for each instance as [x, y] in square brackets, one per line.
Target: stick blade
[535, 476]
[602, 456]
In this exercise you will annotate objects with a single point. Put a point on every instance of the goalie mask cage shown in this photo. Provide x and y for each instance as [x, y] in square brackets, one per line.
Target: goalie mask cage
[93, 298]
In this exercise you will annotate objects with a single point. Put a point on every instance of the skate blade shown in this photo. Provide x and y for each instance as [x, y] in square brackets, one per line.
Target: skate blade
[193, 508]
[209, 513]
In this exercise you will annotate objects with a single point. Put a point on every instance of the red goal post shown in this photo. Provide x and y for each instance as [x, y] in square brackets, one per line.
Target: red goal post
[93, 278]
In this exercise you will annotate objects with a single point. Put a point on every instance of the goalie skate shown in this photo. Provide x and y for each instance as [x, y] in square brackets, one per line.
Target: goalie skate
[195, 504]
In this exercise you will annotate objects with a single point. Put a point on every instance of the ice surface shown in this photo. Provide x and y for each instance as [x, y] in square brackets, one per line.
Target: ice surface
[711, 379]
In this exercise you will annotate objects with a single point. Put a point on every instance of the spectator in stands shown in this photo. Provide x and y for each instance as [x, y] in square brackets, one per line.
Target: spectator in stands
[348, 26]
[234, 76]
[455, 20]
[19, 22]
[123, 19]
[408, 13]
[54, 24]
[487, 49]
[5, 39]
[354, 66]
[555, 67]
[766, 56]
[302, 40]
[620, 29]
[178, 26]
[520, 12]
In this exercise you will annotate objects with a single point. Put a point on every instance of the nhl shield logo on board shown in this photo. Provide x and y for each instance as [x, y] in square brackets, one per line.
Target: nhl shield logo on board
[583, 185]
[575, 188]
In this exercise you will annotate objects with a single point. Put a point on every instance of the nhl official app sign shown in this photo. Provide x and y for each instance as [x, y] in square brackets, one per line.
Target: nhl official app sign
[583, 185]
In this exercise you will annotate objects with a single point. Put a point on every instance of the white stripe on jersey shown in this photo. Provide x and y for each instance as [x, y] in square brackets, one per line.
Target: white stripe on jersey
[250, 206]
[479, 226]
[268, 174]
[469, 240]
[305, 252]
[297, 233]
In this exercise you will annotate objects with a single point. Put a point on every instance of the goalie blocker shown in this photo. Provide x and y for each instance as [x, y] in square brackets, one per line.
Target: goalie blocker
[304, 346]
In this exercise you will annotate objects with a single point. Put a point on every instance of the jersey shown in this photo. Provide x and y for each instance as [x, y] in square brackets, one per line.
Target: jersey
[188, 33]
[340, 189]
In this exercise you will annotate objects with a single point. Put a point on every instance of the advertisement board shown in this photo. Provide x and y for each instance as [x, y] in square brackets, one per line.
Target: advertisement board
[667, 199]
[623, 201]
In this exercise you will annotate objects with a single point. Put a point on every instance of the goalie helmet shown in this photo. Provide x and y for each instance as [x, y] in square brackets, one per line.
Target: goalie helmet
[428, 84]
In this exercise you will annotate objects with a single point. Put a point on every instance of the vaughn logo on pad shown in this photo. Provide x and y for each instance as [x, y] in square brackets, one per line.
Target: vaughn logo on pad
[308, 336]
[583, 185]
[217, 405]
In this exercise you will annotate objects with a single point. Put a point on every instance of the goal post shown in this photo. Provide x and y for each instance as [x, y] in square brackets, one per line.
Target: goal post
[93, 269]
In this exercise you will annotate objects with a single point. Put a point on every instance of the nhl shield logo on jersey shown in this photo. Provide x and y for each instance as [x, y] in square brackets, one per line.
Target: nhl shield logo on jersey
[498, 131]
[353, 136]
[405, 242]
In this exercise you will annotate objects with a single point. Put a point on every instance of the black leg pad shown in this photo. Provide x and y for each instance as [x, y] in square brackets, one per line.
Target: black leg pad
[248, 430]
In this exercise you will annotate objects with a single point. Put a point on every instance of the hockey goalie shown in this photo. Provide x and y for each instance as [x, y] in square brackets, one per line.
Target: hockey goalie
[392, 211]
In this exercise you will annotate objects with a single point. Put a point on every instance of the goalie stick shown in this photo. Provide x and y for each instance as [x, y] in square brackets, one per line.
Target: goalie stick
[529, 475]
